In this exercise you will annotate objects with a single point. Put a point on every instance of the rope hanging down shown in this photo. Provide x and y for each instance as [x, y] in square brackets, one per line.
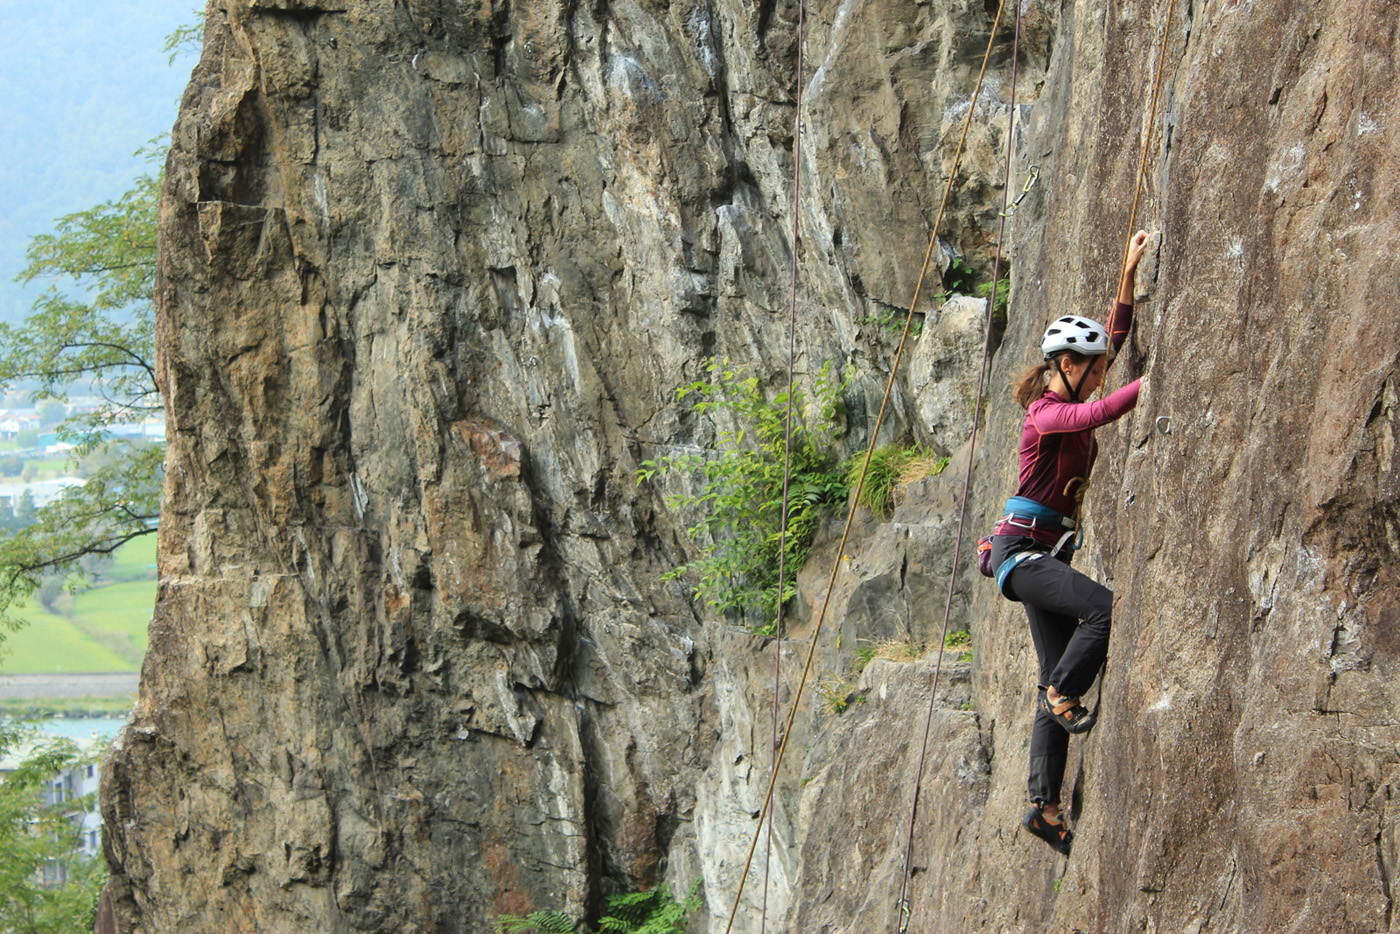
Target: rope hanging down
[1142, 166]
[766, 809]
[787, 446]
[905, 912]
[1132, 225]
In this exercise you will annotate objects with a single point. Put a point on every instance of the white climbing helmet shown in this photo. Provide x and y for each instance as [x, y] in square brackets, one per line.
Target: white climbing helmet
[1082, 335]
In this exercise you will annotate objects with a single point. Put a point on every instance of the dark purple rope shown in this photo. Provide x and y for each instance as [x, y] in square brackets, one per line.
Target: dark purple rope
[787, 457]
[855, 497]
[902, 908]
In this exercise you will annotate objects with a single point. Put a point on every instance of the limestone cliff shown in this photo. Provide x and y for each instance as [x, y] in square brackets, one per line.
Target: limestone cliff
[430, 274]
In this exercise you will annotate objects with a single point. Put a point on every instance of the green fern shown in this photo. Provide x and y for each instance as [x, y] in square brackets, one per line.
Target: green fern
[537, 922]
[654, 912]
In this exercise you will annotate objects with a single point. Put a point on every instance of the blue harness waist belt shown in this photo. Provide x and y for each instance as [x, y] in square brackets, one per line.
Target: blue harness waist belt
[1023, 508]
[1020, 506]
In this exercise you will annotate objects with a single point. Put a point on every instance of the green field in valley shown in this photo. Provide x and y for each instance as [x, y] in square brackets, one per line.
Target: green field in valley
[120, 608]
[100, 629]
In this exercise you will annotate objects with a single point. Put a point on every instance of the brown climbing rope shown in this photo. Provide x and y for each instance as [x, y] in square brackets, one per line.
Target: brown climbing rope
[1142, 167]
[765, 811]
[904, 909]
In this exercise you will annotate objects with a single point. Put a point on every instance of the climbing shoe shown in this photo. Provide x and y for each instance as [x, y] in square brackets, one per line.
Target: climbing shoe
[1055, 833]
[1068, 713]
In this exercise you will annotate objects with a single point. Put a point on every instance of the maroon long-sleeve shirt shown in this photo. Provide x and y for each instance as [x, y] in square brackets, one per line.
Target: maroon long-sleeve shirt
[1057, 442]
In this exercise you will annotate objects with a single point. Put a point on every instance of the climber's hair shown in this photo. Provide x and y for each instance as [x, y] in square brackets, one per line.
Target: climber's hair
[1030, 385]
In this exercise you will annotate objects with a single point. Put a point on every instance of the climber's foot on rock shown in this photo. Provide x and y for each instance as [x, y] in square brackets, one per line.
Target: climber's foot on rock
[1053, 831]
[1067, 712]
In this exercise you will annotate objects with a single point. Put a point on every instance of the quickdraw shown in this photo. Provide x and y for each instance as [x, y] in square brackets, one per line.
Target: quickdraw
[1025, 190]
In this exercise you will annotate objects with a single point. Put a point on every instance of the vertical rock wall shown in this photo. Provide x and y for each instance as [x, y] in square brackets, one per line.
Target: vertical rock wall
[430, 274]
[1245, 782]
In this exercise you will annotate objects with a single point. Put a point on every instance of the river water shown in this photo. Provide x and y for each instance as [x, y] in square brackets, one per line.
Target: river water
[80, 729]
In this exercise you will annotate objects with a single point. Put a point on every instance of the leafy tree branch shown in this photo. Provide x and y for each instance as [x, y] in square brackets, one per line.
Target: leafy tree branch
[36, 834]
[91, 331]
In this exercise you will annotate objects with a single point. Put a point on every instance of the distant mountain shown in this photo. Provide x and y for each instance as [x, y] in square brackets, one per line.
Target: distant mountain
[83, 85]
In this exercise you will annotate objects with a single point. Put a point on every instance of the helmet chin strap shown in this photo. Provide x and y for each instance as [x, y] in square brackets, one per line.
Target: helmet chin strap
[1073, 389]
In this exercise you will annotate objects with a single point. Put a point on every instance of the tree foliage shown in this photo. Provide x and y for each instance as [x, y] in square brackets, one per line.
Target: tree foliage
[104, 338]
[186, 39]
[738, 509]
[35, 834]
[91, 331]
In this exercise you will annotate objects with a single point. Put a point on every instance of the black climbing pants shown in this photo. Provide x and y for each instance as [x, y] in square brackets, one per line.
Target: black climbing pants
[1070, 617]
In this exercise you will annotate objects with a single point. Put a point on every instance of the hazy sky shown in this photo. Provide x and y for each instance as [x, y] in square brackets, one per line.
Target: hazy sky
[83, 85]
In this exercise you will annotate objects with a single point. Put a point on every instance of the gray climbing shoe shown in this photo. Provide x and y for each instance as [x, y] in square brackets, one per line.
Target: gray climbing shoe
[1055, 833]
[1069, 713]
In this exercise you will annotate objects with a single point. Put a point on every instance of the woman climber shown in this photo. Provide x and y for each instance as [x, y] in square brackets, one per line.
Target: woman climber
[1069, 614]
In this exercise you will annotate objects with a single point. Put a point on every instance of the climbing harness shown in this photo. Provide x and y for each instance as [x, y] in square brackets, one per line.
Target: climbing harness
[1027, 514]
[1031, 180]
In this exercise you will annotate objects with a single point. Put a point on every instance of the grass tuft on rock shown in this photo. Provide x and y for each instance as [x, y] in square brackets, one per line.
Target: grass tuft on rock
[891, 466]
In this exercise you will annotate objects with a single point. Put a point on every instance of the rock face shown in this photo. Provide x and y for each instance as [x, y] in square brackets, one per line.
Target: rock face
[430, 275]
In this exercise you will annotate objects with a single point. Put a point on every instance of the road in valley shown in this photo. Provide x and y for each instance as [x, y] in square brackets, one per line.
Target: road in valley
[103, 684]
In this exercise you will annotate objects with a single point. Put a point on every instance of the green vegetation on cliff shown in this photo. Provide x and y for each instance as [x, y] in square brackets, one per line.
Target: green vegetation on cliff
[653, 912]
[890, 466]
[738, 509]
